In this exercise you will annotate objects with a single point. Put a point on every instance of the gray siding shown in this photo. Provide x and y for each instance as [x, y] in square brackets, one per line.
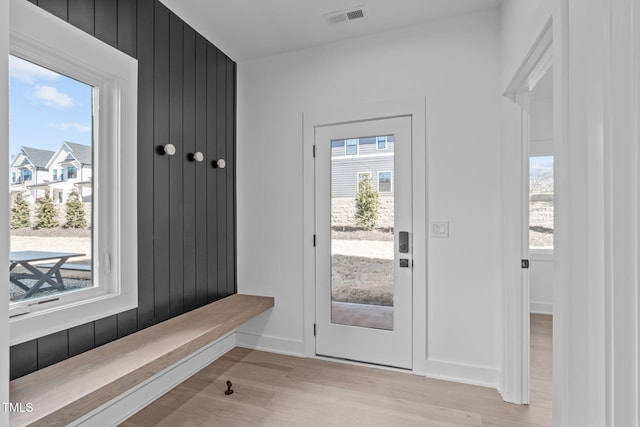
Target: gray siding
[366, 146]
[344, 172]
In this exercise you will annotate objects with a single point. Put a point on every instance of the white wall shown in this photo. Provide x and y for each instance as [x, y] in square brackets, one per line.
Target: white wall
[455, 64]
[4, 204]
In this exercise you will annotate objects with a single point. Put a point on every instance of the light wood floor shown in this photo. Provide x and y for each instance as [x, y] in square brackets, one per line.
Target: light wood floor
[276, 390]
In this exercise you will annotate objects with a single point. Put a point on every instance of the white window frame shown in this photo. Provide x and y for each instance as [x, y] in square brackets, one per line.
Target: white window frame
[385, 142]
[357, 147]
[41, 38]
[390, 182]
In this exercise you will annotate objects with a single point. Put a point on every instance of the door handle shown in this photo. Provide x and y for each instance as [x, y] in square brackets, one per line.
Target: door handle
[403, 240]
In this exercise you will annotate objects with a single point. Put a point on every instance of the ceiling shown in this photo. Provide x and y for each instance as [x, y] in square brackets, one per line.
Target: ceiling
[251, 29]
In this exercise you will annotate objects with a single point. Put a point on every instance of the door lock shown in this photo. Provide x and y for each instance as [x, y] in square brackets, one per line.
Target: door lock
[403, 238]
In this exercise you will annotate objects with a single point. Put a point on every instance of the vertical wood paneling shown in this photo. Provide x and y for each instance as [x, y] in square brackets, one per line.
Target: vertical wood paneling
[221, 174]
[212, 175]
[189, 174]
[81, 14]
[53, 348]
[161, 165]
[81, 339]
[23, 358]
[106, 330]
[59, 8]
[231, 177]
[146, 156]
[106, 21]
[186, 210]
[127, 322]
[176, 169]
[201, 171]
[127, 19]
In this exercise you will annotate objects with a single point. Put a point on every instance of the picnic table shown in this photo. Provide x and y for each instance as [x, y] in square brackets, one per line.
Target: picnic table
[43, 274]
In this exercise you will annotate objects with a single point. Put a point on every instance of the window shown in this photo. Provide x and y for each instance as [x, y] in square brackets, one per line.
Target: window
[27, 175]
[49, 48]
[55, 175]
[384, 182]
[13, 177]
[72, 172]
[541, 207]
[351, 147]
[382, 142]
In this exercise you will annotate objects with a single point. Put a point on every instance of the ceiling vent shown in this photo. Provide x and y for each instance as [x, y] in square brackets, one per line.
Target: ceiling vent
[346, 15]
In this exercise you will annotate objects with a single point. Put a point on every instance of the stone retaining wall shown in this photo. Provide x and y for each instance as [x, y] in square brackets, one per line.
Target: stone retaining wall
[343, 212]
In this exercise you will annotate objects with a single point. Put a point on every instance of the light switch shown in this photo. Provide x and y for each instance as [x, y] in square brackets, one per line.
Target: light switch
[439, 228]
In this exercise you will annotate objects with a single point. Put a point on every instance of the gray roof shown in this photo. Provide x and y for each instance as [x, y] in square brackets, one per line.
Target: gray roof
[38, 158]
[82, 153]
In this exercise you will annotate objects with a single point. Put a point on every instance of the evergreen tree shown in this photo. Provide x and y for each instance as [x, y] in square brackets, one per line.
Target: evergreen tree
[46, 212]
[75, 211]
[366, 204]
[20, 212]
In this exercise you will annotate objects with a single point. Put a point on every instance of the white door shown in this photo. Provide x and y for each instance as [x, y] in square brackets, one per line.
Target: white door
[364, 254]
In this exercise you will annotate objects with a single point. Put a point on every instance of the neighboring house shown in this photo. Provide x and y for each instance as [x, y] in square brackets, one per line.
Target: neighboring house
[29, 172]
[354, 159]
[35, 171]
[70, 167]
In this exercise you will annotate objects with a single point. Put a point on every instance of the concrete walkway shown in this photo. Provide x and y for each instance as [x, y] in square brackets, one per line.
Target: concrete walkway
[363, 248]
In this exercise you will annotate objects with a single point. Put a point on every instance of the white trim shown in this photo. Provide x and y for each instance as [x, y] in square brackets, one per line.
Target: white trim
[270, 344]
[133, 400]
[541, 308]
[516, 304]
[4, 202]
[416, 108]
[461, 373]
[39, 37]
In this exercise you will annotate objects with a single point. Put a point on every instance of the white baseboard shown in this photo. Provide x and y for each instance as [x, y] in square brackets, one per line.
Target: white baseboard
[466, 374]
[541, 307]
[127, 404]
[270, 344]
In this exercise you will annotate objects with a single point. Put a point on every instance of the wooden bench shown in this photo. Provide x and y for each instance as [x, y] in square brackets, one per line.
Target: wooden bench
[66, 391]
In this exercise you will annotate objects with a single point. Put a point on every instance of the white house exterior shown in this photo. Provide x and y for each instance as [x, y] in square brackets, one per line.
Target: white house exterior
[29, 173]
[34, 171]
[70, 167]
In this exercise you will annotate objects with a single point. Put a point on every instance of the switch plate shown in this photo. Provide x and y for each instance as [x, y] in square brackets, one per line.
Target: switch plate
[439, 228]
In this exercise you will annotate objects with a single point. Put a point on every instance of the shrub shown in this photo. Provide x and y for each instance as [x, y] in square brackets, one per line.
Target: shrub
[366, 204]
[46, 212]
[20, 212]
[75, 211]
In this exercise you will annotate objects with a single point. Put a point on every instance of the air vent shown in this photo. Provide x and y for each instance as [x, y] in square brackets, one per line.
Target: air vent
[345, 15]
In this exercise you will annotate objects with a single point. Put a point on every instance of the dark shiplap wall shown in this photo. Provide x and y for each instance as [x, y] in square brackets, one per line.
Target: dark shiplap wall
[186, 210]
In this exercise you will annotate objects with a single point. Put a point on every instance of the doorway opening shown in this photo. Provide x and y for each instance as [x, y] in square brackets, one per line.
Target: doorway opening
[530, 301]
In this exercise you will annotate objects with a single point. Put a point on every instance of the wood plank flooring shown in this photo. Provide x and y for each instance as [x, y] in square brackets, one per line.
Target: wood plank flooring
[277, 390]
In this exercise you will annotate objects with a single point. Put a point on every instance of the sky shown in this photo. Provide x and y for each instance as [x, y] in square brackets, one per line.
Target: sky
[46, 108]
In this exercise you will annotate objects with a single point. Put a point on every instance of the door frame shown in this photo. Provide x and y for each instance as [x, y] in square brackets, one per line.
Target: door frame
[313, 117]
[516, 301]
